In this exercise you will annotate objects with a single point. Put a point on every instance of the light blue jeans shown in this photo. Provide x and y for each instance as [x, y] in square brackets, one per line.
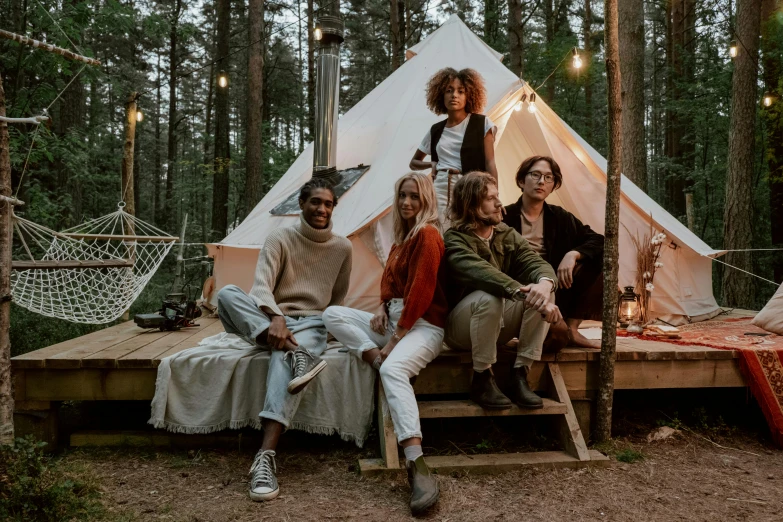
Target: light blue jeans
[241, 316]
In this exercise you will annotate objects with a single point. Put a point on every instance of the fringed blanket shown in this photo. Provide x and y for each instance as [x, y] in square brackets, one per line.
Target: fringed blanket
[221, 384]
[761, 360]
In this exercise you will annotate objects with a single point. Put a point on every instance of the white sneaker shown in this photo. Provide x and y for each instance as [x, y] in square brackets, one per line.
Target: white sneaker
[263, 483]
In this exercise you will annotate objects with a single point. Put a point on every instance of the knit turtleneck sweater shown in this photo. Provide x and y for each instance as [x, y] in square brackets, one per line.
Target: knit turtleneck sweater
[302, 270]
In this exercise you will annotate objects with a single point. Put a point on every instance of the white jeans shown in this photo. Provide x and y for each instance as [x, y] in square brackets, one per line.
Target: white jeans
[442, 193]
[420, 345]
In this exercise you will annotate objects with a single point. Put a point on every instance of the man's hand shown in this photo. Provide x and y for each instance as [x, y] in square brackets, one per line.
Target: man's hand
[551, 313]
[538, 294]
[380, 321]
[278, 335]
[565, 271]
[387, 350]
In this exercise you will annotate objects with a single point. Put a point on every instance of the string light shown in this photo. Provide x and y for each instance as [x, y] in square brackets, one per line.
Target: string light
[518, 106]
[318, 34]
[768, 99]
[223, 79]
[576, 61]
[531, 106]
[139, 115]
[733, 49]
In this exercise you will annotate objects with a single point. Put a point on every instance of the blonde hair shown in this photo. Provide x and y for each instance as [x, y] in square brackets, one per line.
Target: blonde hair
[469, 192]
[428, 215]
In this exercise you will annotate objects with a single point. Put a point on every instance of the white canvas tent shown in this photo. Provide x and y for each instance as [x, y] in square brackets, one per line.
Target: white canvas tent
[384, 129]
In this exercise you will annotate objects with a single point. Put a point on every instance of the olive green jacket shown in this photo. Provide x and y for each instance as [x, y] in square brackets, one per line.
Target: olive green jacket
[499, 270]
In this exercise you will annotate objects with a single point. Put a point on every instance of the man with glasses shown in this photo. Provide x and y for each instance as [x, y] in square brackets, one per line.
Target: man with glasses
[572, 248]
[500, 289]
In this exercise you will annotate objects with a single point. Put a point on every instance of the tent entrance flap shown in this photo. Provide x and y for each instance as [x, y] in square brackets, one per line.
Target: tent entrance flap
[342, 180]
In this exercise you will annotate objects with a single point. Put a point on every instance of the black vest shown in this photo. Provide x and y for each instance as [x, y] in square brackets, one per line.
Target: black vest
[472, 152]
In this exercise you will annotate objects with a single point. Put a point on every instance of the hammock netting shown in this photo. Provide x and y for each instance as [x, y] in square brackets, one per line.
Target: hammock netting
[89, 274]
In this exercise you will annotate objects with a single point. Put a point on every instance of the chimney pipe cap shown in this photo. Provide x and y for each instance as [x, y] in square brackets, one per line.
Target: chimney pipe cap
[332, 29]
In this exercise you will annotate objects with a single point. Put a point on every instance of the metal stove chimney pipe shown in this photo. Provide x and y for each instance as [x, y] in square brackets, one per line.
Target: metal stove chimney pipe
[329, 32]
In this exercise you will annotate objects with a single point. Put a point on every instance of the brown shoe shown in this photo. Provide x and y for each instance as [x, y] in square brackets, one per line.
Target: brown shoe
[484, 391]
[424, 487]
[522, 394]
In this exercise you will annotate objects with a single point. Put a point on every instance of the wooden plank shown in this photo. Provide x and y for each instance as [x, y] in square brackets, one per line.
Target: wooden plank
[90, 384]
[467, 408]
[108, 358]
[570, 432]
[145, 356]
[71, 264]
[389, 454]
[37, 358]
[234, 439]
[493, 463]
[73, 357]
[119, 237]
[204, 332]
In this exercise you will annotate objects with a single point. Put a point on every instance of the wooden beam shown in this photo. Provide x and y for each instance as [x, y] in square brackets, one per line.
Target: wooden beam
[386, 433]
[48, 47]
[34, 120]
[568, 425]
[466, 408]
[113, 237]
[71, 264]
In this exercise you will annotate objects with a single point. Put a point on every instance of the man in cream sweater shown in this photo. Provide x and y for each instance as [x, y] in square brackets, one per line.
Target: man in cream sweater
[301, 270]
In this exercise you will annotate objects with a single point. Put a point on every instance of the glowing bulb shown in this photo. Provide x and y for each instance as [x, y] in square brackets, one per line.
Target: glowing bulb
[139, 115]
[223, 79]
[317, 33]
[518, 106]
[767, 100]
[577, 61]
[733, 49]
[531, 106]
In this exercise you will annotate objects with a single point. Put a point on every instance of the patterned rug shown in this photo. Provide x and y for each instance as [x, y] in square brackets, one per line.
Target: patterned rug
[761, 360]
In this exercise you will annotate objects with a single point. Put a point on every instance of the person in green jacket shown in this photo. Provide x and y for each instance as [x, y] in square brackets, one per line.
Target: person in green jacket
[499, 288]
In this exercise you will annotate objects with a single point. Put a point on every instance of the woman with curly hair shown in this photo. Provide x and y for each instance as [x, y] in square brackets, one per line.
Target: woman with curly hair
[406, 331]
[465, 140]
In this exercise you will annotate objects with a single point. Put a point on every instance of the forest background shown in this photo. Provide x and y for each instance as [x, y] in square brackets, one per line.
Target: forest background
[212, 152]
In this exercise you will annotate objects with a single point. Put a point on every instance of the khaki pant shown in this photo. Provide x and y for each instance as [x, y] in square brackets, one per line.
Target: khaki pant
[480, 321]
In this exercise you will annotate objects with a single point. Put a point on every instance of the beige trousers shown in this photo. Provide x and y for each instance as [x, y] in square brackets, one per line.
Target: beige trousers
[482, 321]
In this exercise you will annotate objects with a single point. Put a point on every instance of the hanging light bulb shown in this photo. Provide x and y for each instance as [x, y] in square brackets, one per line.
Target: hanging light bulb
[318, 34]
[576, 60]
[733, 49]
[139, 115]
[768, 99]
[223, 79]
[531, 106]
[518, 106]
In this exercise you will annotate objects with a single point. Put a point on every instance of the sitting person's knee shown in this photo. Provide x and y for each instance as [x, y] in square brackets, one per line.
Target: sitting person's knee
[485, 301]
[226, 293]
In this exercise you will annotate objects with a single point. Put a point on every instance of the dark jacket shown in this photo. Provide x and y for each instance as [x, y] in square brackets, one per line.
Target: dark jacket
[472, 152]
[563, 232]
[471, 266]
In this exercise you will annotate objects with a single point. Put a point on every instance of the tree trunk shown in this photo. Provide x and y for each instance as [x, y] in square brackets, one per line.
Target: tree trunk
[310, 71]
[170, 213]
[491, 20]
[549, 38]
[394, 34]
[603, 429]
[738, 212]
[631, 13]
[587, 36]
[128, 156]
[516, 38]
[773, 116]
[222, 151]
[157, 199]
[6, 395]
[254, 167]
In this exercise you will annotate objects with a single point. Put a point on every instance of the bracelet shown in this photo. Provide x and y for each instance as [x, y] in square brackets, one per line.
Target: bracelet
[396, 337]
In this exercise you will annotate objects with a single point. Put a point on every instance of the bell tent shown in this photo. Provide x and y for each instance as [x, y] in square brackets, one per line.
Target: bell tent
[385, 128]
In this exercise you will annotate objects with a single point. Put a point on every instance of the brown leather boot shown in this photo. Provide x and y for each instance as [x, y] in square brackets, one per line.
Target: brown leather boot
[523, 395]
[424, 487]
[484, 391]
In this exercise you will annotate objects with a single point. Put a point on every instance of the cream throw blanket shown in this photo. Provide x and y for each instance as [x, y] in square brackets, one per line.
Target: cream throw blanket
[221, 384]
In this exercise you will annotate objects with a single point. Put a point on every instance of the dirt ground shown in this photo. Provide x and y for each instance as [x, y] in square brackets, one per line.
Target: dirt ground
[684, 477]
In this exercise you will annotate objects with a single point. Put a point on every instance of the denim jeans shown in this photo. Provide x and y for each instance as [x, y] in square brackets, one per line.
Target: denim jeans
[241, 316]
[420, 345]
[480, 321]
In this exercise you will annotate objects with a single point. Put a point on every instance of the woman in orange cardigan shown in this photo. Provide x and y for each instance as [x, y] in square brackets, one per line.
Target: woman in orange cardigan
[406, 331]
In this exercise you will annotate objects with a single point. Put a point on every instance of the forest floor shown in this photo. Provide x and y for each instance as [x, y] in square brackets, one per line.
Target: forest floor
[709, 469]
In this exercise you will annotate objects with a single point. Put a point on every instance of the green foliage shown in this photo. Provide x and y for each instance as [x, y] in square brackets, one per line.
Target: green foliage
[629, 455]
[33, 488]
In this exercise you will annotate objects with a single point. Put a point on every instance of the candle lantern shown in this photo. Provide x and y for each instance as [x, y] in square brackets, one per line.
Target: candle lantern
[629, 307]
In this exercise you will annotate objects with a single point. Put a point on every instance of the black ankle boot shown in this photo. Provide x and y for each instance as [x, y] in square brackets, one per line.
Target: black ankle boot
[485, 392]
[523, 395]
[424, 487]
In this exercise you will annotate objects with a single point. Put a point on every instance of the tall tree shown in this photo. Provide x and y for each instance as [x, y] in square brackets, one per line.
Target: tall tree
[394, 34]
[612, 223]
[6, 396]
[587, 37]
[738, 210]
[170, 214]
[772, 61]
[254, 166]
[519, 14]
[631, 13]
[492, 22]
[310, 70]
[222, 158]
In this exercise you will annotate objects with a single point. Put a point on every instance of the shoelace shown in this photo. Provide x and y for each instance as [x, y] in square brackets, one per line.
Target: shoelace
[299, 362]
[261, 471]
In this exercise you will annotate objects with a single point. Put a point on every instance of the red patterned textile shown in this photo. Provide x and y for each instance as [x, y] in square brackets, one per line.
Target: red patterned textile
[761, 360]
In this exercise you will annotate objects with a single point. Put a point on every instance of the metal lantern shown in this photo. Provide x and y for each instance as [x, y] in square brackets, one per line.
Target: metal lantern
[629, 306]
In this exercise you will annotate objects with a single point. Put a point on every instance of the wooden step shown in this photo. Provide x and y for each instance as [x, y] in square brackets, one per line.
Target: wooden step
[492, 463]
[468, 408]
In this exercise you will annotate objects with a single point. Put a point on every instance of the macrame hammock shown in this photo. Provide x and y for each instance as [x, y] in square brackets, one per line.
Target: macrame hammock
[90, 273]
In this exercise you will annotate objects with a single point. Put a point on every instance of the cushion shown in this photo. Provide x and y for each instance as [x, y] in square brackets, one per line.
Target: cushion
[770, 318]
